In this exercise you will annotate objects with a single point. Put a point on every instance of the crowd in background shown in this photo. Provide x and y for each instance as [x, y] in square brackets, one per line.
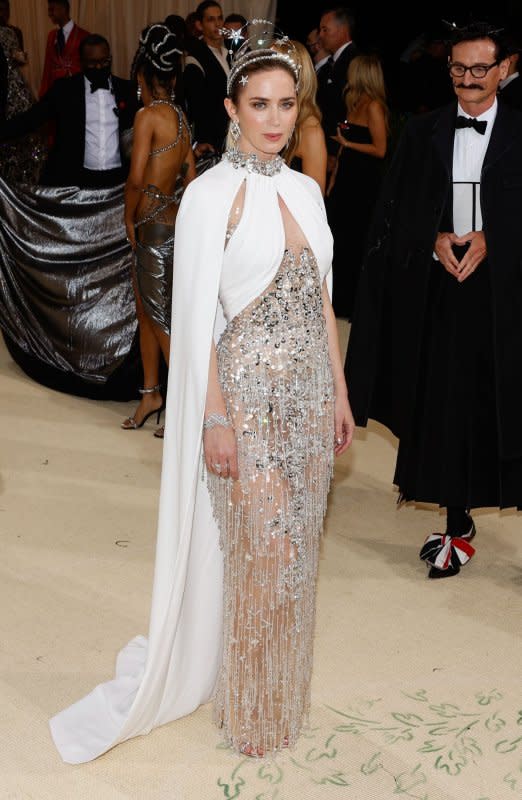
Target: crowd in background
[353, 102]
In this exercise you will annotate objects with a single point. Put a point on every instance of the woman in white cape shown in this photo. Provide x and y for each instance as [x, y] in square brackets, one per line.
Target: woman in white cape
[248, 451]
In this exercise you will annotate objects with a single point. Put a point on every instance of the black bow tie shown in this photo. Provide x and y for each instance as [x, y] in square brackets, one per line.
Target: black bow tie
[100, 83]
[471, 122]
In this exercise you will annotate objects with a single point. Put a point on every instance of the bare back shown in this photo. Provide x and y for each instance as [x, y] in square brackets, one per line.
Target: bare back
[170, 146]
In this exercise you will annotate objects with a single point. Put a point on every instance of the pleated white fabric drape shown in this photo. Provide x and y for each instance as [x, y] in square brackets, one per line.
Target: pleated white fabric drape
[120, 21]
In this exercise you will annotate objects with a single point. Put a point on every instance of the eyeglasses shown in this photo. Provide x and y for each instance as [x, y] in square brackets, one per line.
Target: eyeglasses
[476, 70]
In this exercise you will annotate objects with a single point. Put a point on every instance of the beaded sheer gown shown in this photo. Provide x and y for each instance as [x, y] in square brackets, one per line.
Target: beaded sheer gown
[276, 378]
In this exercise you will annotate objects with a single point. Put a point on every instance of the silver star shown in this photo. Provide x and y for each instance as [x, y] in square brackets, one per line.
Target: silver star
[237, 37]
[243, 80]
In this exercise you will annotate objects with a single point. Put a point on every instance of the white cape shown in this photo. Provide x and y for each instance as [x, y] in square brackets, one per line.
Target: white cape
[171, 673]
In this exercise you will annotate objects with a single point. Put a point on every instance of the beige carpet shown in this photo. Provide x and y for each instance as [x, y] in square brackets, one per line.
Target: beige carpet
[417, 683]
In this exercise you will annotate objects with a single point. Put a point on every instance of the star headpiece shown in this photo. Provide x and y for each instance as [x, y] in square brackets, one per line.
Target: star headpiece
[258, 41]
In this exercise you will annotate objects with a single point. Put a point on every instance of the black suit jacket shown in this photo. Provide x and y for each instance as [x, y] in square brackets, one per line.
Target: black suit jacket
[383, 359]
[64, 105]
[205, 90]
[512, 93]
[331, 80]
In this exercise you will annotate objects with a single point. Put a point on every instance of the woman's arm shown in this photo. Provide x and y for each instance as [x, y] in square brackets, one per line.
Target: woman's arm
[344, 422]
[219, 442]
[312, 152]
[141, 147]
[378, 132]
[190, 171]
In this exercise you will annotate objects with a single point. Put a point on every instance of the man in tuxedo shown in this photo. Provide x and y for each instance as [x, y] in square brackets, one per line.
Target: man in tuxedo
[435, 343]
[62, 53]
[335, 34]
[205, 80]
[91, 112]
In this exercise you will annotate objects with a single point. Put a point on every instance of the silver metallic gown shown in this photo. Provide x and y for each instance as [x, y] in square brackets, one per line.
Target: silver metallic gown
[275, 374]
[155, 236]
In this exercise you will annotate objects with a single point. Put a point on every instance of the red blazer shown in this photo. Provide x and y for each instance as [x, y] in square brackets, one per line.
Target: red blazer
[64, 65]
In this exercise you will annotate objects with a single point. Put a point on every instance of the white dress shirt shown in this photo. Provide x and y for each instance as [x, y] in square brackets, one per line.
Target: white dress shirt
[67, 28]
[468, 155]
[102, 134]
[319, 64]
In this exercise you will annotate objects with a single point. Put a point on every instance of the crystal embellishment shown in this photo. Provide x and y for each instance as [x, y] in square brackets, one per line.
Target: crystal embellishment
[253, 163]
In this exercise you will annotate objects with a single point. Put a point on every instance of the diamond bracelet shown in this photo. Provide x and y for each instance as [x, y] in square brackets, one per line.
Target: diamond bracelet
[216, 419]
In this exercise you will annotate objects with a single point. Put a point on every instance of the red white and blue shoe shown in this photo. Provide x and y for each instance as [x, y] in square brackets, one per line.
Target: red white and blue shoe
[446, 554]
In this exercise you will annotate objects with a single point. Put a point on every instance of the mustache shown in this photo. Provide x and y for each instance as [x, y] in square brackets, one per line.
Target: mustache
[467, 86]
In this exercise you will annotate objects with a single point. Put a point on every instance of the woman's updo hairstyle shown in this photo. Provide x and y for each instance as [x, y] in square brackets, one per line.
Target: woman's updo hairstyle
[158, 57]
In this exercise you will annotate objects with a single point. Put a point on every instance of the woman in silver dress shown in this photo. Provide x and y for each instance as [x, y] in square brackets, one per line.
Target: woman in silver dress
[162, 164]
[257, 407]
[276, 411]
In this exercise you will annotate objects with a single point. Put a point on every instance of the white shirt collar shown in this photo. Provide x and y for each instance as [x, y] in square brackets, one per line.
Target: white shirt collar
[67, 28]
[488, 116]
[506, 81]
[88, 86]
[319, 64]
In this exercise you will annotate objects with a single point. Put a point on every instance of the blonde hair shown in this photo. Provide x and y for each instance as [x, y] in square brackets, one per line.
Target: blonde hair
[306, 94]
[365, 78]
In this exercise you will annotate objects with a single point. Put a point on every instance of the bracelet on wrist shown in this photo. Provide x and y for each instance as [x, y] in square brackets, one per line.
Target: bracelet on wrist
[213, 420]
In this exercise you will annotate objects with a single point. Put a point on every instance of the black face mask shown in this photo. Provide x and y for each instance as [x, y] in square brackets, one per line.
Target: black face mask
[98, 77]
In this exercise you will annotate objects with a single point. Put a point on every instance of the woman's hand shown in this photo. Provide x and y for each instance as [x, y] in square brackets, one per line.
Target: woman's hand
[344, 424]
[339, 138]
[219, 445]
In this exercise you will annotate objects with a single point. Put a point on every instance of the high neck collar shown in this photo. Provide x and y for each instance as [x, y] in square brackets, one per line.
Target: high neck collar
[253, 163]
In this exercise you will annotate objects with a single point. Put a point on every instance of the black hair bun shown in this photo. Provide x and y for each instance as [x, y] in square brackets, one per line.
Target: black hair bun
[161, 47]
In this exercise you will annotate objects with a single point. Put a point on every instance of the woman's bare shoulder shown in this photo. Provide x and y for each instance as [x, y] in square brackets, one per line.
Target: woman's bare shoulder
[310, 123]
[312, 135]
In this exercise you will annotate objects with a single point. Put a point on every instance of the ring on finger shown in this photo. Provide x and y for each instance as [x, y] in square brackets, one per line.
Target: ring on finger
[217, 467]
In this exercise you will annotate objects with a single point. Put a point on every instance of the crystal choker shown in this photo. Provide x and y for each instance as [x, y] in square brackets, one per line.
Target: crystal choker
[252, 163]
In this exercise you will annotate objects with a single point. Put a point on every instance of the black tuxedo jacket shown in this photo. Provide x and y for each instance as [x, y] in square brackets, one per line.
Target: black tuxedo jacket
[512, 93]
[64, 105]
[392, 306]
[205, 90]
[331, 80]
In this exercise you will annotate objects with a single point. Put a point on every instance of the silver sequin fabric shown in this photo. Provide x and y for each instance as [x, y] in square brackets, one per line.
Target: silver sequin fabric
[154, 255]
[22, 159]
[275, 374]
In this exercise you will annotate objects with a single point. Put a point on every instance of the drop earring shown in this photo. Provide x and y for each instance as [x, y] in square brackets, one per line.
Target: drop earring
[138, 92]
[235, 131]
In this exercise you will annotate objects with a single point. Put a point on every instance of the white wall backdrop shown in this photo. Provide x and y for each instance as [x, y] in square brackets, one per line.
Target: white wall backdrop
[120, 21]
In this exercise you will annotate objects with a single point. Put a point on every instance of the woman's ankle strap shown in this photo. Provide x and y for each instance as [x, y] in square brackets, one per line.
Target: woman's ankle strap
[151, 390]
